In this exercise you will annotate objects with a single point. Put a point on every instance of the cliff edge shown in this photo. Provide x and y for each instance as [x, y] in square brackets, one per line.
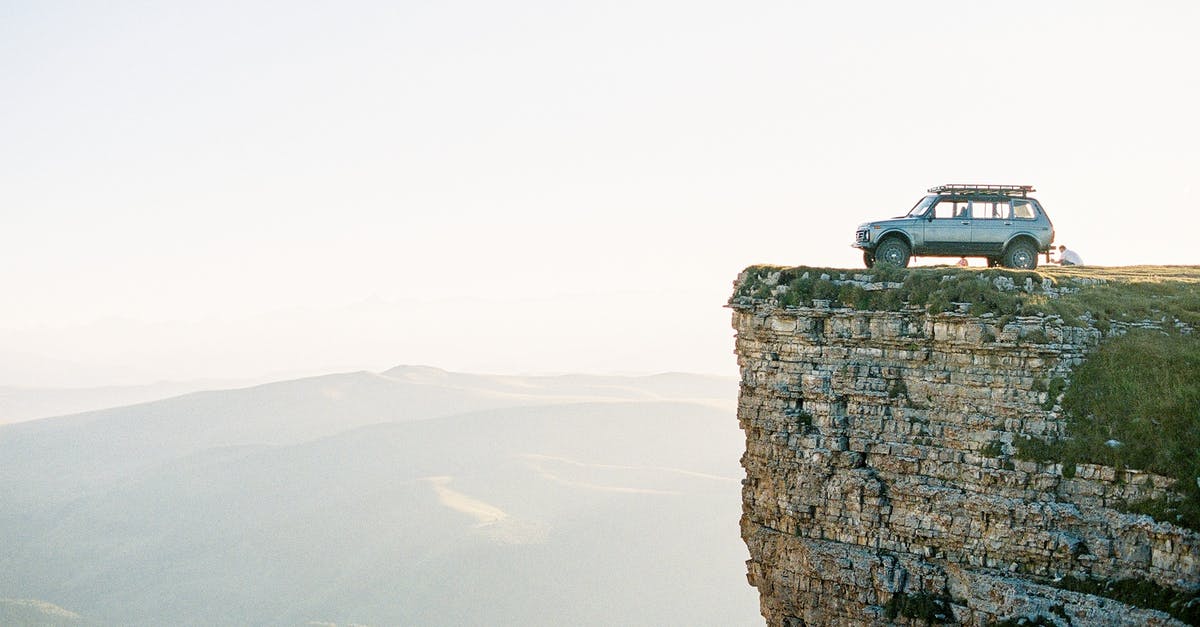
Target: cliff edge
[897, 426]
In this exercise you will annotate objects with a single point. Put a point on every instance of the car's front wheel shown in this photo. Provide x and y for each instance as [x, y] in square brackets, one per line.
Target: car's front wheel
[893, 251]
[869, 258]
[1021, 255]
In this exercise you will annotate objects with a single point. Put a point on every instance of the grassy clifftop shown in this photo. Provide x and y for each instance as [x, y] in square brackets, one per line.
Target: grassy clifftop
[1134, 403]
[1087, 296]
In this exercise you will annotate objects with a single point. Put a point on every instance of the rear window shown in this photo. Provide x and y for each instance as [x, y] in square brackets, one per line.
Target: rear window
[991, 209]
[1023, 209]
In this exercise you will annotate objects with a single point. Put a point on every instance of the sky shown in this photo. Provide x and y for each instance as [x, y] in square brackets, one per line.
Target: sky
[235, 189]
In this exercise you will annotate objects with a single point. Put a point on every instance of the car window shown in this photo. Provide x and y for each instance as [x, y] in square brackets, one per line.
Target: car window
[1022, 209]
[991, 210]
[950, 209]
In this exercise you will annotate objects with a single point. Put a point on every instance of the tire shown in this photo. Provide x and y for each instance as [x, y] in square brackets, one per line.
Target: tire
[869, 258]
[1021, 255]
[893, 251]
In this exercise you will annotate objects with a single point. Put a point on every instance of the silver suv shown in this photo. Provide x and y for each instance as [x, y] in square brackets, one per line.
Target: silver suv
[998, 222]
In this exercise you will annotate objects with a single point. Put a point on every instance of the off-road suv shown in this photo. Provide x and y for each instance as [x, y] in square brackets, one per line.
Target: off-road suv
[999, 222]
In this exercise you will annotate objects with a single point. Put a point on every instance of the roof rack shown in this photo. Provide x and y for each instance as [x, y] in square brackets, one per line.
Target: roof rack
[1007, 190]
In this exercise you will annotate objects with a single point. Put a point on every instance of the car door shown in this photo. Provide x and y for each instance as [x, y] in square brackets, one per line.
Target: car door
[949, 230]
[991, 225]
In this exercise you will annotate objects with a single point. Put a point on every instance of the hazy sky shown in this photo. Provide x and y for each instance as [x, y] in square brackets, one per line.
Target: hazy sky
[236, 188]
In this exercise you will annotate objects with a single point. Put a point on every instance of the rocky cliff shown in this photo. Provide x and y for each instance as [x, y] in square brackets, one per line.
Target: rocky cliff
[881, 483]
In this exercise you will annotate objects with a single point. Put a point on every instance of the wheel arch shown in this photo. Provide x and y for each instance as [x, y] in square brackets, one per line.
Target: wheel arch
[898, 233]
[1019, 237]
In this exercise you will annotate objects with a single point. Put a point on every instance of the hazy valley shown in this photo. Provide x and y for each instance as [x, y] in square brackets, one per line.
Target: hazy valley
[413, 496]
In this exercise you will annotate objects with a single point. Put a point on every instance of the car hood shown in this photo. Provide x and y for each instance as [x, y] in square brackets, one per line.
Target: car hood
[890, 222]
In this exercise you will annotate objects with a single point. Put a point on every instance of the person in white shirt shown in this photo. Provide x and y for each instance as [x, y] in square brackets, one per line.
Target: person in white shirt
[1068, 257]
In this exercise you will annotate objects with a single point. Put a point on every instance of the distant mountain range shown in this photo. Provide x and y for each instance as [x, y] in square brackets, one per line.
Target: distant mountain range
[409, 497]
[19, 403]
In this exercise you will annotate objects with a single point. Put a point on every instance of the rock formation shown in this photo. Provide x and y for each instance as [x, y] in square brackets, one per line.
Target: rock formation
[881, 485]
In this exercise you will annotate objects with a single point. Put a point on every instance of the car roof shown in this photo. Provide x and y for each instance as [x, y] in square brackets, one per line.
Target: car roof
[978, 189]
[987, 197]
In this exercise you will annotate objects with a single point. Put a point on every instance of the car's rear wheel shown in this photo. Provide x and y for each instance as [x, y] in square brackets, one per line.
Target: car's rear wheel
[892, 251]
[1021, 255]
[869, 258]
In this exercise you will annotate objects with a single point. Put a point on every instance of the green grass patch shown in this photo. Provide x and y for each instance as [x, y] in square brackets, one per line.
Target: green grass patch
[1036, 336]
[1128, 293]
[897, 388]
[1184, 606]
[931, 608]
[1169, 509]
[1055, 387]
[1141, 390]
[1036, 621]
[995, 448]
[1135, 403]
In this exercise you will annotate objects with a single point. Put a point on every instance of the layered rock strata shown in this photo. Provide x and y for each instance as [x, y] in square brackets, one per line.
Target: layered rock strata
[881, 483]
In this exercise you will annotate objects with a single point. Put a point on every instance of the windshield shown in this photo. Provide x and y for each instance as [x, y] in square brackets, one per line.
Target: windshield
[921, 207]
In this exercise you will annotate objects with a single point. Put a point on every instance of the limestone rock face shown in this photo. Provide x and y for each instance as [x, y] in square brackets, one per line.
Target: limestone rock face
[881, 486]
